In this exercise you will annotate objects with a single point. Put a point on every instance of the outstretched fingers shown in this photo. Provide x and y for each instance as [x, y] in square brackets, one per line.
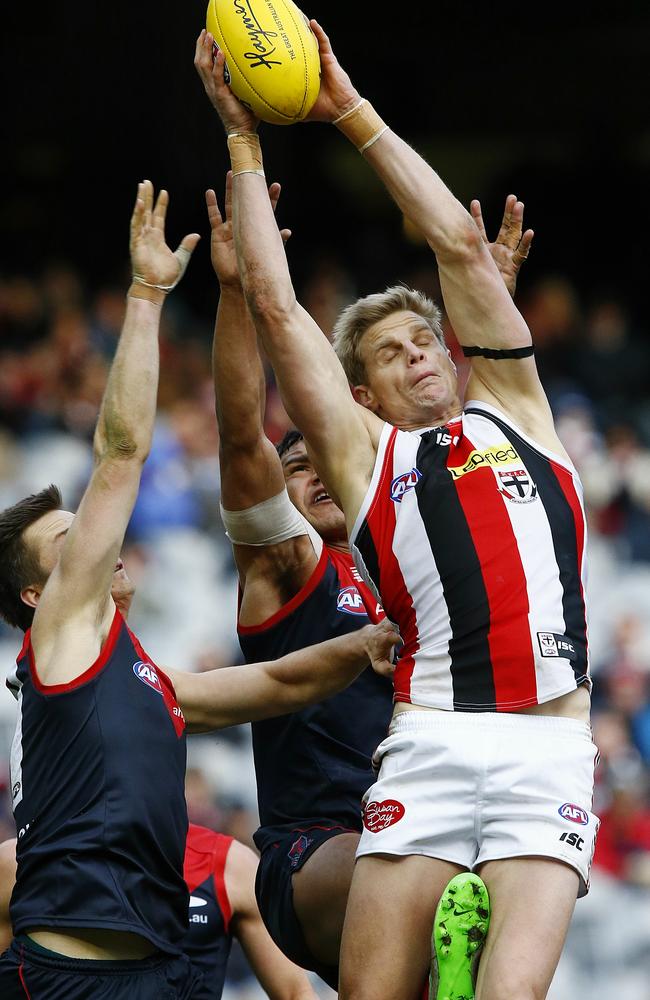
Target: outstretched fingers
[214, 215]
[512, 223]
[137, 218]
[274, 194]
[160, 211]
[147, 197]
[188, 244]
[477, 215]
[522, 251]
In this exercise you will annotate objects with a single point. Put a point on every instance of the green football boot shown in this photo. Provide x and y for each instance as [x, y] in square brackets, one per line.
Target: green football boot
[459, 931]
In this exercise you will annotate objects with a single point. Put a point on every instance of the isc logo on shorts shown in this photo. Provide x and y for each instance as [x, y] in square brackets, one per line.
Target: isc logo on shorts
[574, 813]
[146, 673]
[402, 484]
[350, 602]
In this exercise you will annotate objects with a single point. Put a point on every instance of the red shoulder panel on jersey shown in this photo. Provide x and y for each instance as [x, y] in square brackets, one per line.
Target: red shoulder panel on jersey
[308, 588]
[87, 675]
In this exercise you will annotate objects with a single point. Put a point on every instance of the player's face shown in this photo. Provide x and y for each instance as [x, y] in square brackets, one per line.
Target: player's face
[308, 494]
[410, 378]
[47, 537]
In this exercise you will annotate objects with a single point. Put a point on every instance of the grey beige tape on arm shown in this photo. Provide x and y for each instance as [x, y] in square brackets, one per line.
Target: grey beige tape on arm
[268, 523]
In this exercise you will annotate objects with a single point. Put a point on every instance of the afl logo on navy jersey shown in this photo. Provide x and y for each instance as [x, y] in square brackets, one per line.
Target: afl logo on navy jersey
[350, 602]
[402, 484]
[146, 673]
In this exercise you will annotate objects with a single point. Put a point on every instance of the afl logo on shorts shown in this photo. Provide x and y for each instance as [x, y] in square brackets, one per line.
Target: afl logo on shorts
[574, 813]
[402, 484]
[146, 673]
[377, 816]
[350, 602]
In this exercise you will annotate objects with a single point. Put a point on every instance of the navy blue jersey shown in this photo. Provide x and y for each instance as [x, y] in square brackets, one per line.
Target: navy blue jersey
[97, 774]
[208, 938]
[313, 767]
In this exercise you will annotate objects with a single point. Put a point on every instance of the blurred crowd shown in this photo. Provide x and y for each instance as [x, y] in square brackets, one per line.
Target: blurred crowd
[57, 338]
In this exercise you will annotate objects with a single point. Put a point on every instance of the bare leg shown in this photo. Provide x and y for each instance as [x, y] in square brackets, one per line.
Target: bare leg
[386, 948]
[320, 895]
[532, 903]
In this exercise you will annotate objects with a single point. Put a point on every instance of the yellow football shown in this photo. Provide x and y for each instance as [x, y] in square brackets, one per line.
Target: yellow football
[271, 55]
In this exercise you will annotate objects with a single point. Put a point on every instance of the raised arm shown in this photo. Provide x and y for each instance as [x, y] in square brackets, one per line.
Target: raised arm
[280, 979]
[251, 471]
[75, 609]
[479, 307]
[311, 380]
[232, 695]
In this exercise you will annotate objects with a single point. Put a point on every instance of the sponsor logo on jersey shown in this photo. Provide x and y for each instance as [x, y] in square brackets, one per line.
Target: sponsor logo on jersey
[517, 486]
[197, 901]
[378, 816]
[552, 644]
[444, 438]
[573, 813]
[402, 484]
[498, 454]
[147, 674]
[298, 848]
[572, 839]
[350, 602]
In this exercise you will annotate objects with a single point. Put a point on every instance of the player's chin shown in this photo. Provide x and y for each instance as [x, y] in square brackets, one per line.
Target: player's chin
[325, 515]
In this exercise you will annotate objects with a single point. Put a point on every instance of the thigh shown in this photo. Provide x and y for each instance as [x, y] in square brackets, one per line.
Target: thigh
[10, 984]
[538, 794]
[320, 895]
[532, 902]
[275, 898]
[386, 947]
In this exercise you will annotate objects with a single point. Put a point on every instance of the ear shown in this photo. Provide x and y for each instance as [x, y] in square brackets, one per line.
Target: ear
[451, 361]
[365, 396]
[31, 595]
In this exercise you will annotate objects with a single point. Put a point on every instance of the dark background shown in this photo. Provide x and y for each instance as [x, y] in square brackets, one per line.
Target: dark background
[548, 100]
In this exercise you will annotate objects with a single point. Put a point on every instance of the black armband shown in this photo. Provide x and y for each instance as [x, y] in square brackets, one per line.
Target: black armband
[495, 355]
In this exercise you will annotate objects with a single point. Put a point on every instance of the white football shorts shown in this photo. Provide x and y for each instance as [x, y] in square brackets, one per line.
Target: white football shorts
[470, 788]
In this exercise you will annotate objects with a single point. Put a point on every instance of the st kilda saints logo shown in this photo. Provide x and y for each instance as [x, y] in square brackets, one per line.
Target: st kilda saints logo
[517, 486]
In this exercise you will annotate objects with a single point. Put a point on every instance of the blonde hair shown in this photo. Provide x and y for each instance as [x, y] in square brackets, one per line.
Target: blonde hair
[356, 319]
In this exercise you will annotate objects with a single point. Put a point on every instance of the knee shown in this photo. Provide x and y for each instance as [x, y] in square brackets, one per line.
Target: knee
[511, 985]
[358, 990]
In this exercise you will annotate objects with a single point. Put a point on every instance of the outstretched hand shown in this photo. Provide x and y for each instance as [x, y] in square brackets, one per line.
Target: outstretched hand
[511, 247]
[382, 639]
[209, 63]
[222, 243]
[337, 93]
[152, 261]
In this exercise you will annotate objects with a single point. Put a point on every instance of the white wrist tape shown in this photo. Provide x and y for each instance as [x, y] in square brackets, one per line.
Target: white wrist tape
[268, 523]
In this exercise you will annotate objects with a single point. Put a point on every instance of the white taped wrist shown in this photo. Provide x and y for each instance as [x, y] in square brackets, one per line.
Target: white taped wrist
[270, 522]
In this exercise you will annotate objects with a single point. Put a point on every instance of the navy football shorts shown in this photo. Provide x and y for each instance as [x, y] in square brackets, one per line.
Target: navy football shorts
[274, 893]
[28, 972]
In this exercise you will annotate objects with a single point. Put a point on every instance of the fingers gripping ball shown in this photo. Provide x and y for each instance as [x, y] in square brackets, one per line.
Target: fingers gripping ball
[271, 56]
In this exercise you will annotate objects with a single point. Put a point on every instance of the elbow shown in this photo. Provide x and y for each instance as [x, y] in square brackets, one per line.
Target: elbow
[119, 444]
[271, 308]
[461, 243]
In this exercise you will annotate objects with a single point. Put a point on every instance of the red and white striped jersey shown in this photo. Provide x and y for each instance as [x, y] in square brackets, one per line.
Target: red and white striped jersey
[474, 536]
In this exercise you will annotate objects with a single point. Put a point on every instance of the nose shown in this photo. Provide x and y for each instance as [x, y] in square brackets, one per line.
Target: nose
[414, 353]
